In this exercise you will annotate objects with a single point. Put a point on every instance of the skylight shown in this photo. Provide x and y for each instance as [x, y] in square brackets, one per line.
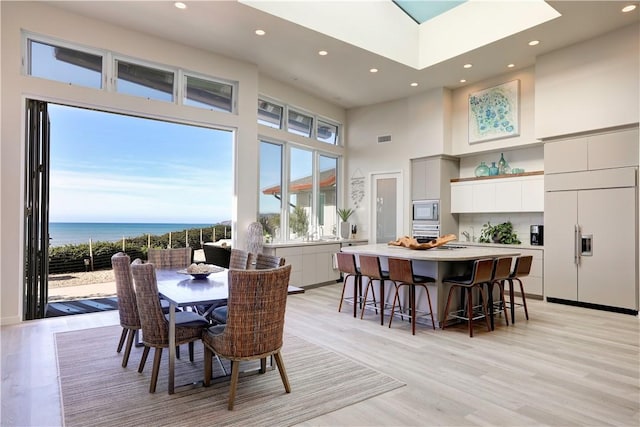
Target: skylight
[422, 11]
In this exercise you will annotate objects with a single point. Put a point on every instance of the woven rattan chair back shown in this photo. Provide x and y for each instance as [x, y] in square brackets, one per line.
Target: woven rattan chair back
[167, 259]
[255, 323]
[255, 238]
[155, 329]
[127, 308]
[239, 259]
[264, 262]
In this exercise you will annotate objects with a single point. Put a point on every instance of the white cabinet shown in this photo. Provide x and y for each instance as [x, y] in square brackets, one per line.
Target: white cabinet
[512, 194]
[533, 283]
[425, 178]
[310, 263]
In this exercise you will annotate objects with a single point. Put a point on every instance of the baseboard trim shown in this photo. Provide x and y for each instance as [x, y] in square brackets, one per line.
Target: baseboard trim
[593, 306]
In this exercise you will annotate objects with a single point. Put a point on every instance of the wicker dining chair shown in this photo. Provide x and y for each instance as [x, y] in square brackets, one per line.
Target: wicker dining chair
[167, 259]
[155, 324]
[127, 308]
[255, 324]
[240, 259]
[268, 261]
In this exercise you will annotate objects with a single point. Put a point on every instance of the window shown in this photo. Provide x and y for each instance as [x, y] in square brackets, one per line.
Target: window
[310, 191]
[299, 123]
[270, 199]
[209, 94]
[147, 82]
[327, 132]
[64, 65]
[270, 114]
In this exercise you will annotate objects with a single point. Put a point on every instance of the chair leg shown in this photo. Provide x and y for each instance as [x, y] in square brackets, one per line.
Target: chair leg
[208, 360]
[470, 312]
[263, 365]
[191, 352]
[511, 302]
[344, 285]
[524, 299]
[484, 306]
[366, 293]
[433, 322]
[127, 350]
[412, 307]
[504, 302]
[143, 360]
[177, 352]
[446, 308]
[396, 297]
[235, 372]
[283, 372]
[123, 335]
[157, 356]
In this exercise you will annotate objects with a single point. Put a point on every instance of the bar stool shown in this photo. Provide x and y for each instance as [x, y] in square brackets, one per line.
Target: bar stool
[501, 272]
[481, 273]
[522, 268]
[401, 272]
[370, 269]
[347, 266]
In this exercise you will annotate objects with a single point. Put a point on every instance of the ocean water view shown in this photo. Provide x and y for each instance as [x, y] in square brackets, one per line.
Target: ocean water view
[73, 233]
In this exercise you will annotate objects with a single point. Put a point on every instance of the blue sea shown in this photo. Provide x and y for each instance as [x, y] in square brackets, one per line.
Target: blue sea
[73, 233]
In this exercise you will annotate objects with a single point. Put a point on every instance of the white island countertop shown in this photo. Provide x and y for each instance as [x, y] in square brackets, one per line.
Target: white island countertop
[291, 243]
[435, 254]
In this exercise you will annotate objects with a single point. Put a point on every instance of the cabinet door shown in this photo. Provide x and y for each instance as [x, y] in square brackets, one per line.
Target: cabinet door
[533, 195]
[461, 198]
[613, 150]
[484, 197]
[565, 156]
[608, 276]
[560, 270]
[508, 196]
[432, 179]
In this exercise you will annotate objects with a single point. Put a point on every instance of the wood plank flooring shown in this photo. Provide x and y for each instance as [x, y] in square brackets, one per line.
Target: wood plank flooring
[565, 366]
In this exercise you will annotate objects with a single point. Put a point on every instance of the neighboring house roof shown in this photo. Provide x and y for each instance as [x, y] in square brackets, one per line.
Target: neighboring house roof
[327, 180]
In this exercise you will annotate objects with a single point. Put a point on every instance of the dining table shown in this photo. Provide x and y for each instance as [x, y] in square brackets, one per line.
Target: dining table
[181, 289]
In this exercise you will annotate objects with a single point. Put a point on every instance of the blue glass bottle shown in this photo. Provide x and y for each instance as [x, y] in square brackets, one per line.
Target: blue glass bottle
[482, 170]
[493, 170]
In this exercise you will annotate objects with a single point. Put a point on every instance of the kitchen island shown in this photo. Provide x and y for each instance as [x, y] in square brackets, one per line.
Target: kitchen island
[448, 260]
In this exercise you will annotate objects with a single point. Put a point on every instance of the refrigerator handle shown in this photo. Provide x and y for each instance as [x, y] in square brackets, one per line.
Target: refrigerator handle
[577, 244]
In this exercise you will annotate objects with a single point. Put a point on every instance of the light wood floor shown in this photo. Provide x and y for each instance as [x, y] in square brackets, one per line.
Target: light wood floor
[565, 366]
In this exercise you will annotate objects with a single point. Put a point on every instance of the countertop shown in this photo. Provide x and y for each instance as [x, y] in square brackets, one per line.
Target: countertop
[435, 254]
[294, 243]
[498, 245]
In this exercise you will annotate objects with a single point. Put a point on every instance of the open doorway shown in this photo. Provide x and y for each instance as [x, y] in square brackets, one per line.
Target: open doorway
[106, 179]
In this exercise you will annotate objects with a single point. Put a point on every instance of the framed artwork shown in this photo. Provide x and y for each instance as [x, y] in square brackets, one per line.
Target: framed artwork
[494, 112]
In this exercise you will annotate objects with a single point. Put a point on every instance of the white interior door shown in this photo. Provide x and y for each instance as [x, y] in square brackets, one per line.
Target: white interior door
[386, 209]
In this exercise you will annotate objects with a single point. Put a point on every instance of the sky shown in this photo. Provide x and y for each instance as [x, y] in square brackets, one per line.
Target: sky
[113, 168]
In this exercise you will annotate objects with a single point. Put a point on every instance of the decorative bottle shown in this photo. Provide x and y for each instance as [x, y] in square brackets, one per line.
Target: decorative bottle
[482, 169]
[493, 170]
[502, 163]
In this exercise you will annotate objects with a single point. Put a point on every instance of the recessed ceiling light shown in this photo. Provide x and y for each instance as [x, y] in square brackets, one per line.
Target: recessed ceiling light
[260, 32]
[463, 81]
[323, 53]
[629, 8]
[467, 65]
[533, 42]
[511, 65]
[373, 70]
[414, 84]
[180, 5]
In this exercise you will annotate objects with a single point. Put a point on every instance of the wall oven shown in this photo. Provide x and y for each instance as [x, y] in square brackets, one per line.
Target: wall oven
[426, 210]
[424, 231]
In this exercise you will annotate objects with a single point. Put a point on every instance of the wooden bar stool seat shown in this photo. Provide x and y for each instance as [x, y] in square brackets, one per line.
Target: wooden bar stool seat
[401, 273]
[347, 266]
[481, 273]
[522, 268]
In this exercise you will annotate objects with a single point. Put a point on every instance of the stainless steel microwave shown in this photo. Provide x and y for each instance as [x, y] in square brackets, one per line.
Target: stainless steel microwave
[426, 210]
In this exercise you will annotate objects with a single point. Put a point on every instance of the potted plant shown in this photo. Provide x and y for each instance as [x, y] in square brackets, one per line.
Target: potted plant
[501, 233]
[345, 227]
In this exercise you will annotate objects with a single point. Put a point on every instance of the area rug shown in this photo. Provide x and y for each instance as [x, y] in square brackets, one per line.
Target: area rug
[96, 390]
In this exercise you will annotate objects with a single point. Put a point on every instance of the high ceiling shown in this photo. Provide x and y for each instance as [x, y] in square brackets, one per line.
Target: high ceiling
[289, 52]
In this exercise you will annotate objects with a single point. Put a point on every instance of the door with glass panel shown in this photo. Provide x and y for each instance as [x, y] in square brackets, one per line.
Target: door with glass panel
[386, 207]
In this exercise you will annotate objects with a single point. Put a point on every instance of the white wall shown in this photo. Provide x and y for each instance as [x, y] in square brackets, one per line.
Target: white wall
[590, 85]
[50, 21]
[460, 115]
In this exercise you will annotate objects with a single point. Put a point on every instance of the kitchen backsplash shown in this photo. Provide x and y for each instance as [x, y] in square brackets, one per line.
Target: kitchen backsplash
[472, 223]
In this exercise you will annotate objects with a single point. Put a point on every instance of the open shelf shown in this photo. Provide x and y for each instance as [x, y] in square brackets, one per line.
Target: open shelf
[511, 175]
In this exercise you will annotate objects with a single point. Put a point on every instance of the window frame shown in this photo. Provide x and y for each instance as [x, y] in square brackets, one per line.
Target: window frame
[145, 64]
[182, 87]
[277, 104]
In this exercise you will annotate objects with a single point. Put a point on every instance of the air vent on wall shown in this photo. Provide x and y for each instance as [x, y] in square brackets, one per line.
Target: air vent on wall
[384, 139]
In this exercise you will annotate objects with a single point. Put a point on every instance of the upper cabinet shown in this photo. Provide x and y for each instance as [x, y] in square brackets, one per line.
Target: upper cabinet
[601, 151]
[520, 193]
[430, 177]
